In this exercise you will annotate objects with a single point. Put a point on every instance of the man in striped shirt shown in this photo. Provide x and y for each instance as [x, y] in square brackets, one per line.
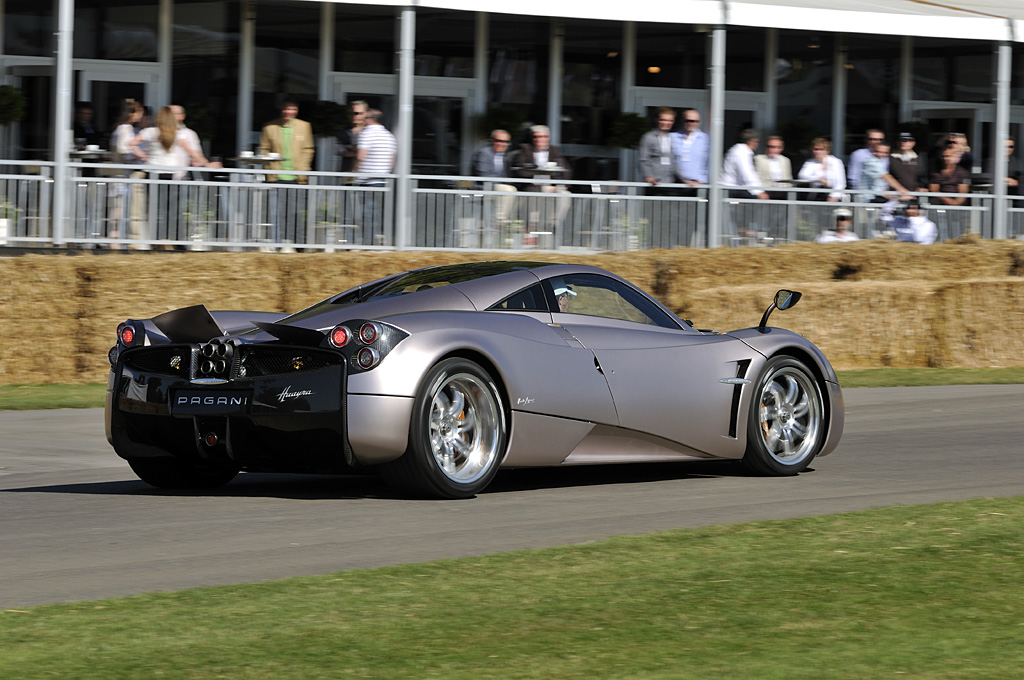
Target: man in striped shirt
[376, 154]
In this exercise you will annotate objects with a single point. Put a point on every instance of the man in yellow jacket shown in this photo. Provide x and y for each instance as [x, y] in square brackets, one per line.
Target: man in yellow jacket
[292, 139]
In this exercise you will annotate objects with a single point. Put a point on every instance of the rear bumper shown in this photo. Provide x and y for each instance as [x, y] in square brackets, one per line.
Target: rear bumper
[292, 421]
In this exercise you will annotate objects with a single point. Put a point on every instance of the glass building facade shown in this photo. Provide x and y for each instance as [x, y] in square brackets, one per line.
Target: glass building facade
[232, 63]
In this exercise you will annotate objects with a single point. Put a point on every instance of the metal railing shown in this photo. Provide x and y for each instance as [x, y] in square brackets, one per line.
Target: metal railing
[131, 206]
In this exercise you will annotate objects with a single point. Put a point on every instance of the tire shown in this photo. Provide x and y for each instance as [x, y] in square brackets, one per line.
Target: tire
[457, 436]
[174, 473]
[786, 427]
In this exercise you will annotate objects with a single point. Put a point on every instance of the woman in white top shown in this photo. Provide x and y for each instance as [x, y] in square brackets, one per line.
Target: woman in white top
[824, 170]
[164, 144]
[124, 133]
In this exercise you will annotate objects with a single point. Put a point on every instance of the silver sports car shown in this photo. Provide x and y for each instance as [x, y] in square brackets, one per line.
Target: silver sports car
[438, 377]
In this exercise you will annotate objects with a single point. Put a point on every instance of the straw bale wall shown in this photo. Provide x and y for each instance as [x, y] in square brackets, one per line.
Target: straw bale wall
[865, 304]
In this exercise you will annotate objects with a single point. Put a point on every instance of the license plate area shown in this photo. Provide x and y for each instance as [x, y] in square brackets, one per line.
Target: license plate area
[186, 402]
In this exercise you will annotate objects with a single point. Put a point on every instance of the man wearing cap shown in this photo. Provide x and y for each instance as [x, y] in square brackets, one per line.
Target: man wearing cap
[562, 294]
[905, 164]
[842, 232]
[910, 226]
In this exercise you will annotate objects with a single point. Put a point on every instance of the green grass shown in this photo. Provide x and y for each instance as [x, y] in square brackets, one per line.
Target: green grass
[22, 397]
[924, 592]
[26, 397]
[906, 377]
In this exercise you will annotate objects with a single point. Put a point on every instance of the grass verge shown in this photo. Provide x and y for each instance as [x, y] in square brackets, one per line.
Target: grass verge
[925, 592]
[25, 397]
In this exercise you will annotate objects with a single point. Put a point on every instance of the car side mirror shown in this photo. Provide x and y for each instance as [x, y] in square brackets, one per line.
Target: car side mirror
[784, 299]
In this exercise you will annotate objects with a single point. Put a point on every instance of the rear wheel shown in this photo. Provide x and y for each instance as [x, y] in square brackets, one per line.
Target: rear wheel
[786, 427]
[174, 473]
[458, 434]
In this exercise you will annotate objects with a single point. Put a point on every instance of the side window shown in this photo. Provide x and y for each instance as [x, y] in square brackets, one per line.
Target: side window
[601, 296]
[527, 300]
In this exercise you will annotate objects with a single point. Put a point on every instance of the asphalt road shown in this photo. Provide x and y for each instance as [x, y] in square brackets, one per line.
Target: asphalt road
[75, 523]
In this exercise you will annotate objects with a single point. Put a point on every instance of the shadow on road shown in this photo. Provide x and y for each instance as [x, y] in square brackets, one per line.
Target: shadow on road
[348, 487]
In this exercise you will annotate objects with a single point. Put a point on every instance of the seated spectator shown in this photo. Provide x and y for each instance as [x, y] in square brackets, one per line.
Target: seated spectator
[824, 171]
[906, 220]
[842, 232]
[774, 169]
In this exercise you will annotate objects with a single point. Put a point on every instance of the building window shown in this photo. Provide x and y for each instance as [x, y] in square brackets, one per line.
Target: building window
[287, 57]
[803, 74]
[953, 70]
[445, 43]
[670, 55]
[591, 80]
[518, 67]
[872, 77]
[28, 28]
[124, 31]
[744, 58]
[364, 39]
[204, 71]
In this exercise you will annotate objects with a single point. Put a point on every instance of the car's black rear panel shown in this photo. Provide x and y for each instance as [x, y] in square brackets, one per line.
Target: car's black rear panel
[272, 407]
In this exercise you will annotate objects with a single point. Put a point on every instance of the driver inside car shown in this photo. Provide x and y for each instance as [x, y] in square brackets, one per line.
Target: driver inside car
[562, 293]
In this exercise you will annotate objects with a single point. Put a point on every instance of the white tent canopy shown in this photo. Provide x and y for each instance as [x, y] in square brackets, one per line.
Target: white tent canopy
[1000, 20]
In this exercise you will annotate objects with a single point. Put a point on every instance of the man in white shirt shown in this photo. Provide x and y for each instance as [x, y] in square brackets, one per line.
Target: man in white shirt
[377, 150]
[738, 168]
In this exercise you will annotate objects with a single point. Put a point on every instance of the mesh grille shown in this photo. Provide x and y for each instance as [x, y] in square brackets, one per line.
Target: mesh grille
[263, 361]
[162, 360]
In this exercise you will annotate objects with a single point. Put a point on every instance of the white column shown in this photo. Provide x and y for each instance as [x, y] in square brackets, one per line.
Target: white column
[555, 70]
[325, 147]
[1002, 96]
[717, 132]
[164, 47]
[771, 86]
[246, 74]
[62, 117]
[840, 55]
[906, 78]
[627, 157]
[481, 63]
[403, 133]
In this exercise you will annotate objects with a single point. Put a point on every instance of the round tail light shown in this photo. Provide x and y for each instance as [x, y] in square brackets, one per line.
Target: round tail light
[369, 332]
[340, 336]
[367, 358]
[126, 334]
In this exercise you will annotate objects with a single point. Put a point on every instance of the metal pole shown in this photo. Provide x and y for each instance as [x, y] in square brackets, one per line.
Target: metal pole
[717, 131]
[406, 64]
[246, 71]
[62, 117]
[555, 70]
[1000, 204]
[840, 55]
[165, 28]
[627, 157]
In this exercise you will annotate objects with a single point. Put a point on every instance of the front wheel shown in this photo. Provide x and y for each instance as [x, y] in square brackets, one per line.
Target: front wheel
[786, 427]
[174, 473]
[458, 433]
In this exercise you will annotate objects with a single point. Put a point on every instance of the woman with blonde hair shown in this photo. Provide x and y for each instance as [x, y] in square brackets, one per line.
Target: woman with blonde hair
[163, 147]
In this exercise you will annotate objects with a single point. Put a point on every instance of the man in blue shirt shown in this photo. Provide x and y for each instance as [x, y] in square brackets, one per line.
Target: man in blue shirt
[691, 148]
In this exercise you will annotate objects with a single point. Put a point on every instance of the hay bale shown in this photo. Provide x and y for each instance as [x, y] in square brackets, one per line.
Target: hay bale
[867, 303]
[40, 297]
[979, 323]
